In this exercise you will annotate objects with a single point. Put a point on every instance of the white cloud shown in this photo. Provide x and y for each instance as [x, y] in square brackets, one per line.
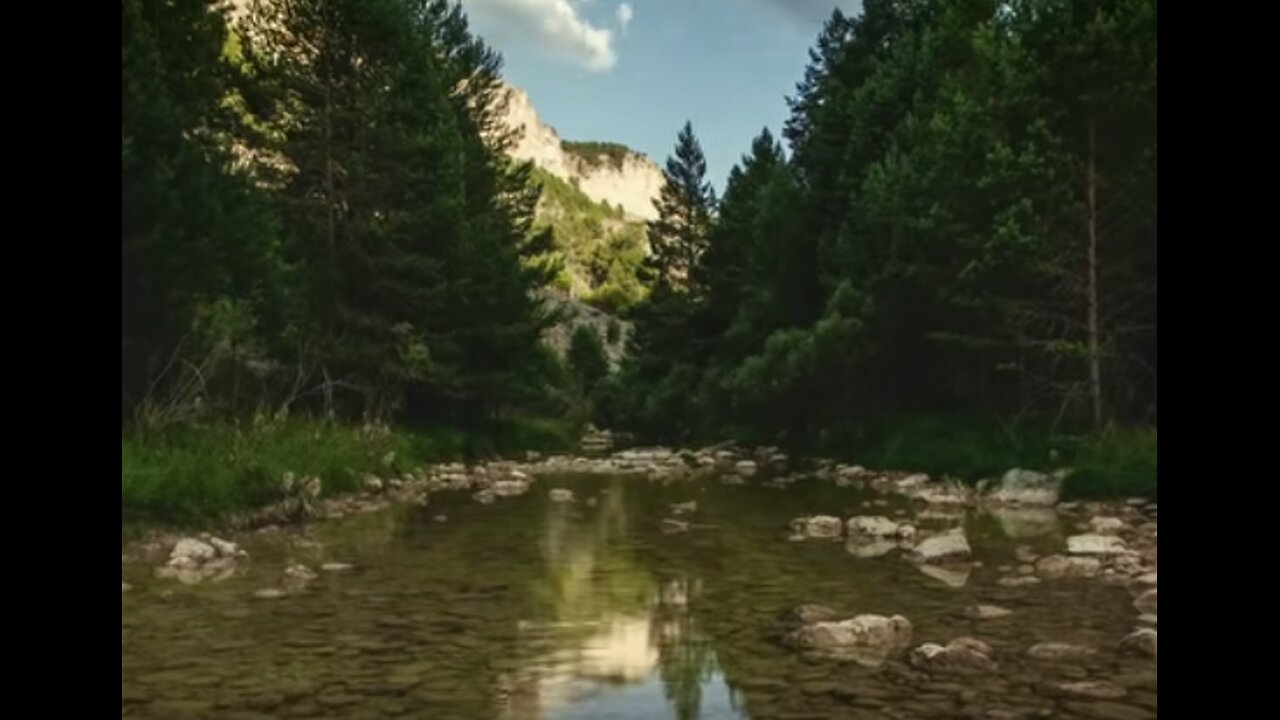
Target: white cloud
[625, 13]
[557, 26]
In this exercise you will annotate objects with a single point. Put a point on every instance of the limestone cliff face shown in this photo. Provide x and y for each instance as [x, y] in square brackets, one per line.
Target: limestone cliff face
[620, 177]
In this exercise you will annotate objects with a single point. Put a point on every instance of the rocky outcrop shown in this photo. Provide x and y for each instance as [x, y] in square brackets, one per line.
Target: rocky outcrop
[612, 175]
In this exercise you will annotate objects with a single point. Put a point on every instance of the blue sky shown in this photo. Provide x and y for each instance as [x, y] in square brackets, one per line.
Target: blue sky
[633, 72]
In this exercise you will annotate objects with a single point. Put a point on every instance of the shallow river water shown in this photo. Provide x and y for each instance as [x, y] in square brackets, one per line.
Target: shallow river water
[529, 609]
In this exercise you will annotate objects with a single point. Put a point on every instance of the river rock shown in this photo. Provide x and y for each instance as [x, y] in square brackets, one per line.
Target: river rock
[1054, 567]
[986, 612]
[560, 495]
[334, 567]
[942, 493]
[746, 468]
[943, 547]
[1105, 525]
[1094, 544]
[871, 527]
[1026, 487]
[809, 614]
[192, 551]
[1140, 642]
[865, 639]
[818, 527]
[510, 488]
[1019, 581]
[962, 656]
[125, 587]
[1146, 603]
[227, 549]
[687, 508]
[1059, 652]
[300, 573]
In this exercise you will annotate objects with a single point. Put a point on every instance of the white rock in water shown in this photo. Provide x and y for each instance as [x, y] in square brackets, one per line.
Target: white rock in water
[300, 572]
[1026, 487]
[1095, 545]
[1141, 642]
[746, 468]
[962, 656]
[189, 551]
[269, 594]
[1146, 603]
[945, 493]
[336, 567]
[1060, 566]
[508, 488]
[950, 545]
[560, 495]
[870, 527]
[226, 549]
[866, 639]
[986, 612]
[125, 587]
[912, 481]
[687, 508]
[1107, 525]
[818, 527]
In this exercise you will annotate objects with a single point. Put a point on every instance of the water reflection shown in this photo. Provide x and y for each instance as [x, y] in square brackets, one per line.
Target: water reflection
[616, 634]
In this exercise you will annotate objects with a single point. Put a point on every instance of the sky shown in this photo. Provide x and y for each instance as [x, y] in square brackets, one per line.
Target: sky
[633, 72]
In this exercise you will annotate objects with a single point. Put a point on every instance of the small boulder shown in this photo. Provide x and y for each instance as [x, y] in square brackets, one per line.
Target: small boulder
[818, 527]
[1026, 487]
[865, 639]
[871, 527]
[1094, 544]
[943, 547]
[1140, 642]
[962, 656]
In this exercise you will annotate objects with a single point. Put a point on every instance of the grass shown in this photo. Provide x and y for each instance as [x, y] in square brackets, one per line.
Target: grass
[197, 476]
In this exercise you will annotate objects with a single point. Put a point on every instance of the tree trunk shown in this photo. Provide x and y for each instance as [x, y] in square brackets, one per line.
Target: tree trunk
[1095, 361]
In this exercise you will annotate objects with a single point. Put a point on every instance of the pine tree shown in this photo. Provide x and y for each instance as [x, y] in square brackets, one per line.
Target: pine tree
[679, 236]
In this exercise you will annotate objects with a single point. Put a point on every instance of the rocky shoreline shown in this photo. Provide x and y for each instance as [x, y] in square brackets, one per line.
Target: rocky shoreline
[1114, 542]
[920, 522]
